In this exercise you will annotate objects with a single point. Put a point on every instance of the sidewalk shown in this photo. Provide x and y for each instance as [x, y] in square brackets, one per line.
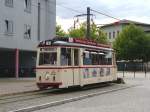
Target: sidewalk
[13, 85]
[140, 75]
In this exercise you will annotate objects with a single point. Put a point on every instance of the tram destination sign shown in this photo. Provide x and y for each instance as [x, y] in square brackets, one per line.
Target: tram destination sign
[90, 42]
[45, 43]
[73, 40]
[48, 49]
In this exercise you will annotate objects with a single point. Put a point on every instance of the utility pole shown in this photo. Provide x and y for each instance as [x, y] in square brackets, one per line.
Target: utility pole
[88, 23]
[39, 21]
[88, 14]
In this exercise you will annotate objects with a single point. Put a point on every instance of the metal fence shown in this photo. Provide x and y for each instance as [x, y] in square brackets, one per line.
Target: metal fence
[133, 66]
[10, 72]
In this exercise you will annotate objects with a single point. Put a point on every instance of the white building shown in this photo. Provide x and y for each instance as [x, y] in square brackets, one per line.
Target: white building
[113, 29]
[23, 23]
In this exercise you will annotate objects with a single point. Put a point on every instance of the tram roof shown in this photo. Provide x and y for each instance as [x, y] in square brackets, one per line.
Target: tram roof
[75, 42]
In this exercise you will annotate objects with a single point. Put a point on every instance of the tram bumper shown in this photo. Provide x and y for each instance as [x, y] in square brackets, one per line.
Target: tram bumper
[46, 85]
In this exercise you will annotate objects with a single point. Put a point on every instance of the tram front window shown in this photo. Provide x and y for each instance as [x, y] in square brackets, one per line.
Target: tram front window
[48, 58]
[65, 58]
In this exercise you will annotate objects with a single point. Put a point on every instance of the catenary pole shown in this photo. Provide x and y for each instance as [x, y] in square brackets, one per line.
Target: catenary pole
[88, 23]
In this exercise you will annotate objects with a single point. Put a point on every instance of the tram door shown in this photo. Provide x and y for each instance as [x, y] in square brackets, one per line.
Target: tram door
[76, 67]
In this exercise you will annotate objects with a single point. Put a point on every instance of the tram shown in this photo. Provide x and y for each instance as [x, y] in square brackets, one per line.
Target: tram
[67, 62]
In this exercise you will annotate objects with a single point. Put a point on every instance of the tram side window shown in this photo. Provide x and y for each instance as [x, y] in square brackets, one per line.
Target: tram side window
[87, 58]
[65, 56]
[103, 60]
[76, 57]
[90, 58]
[100, 59]
[109, 61]
[109, 58]
[96, 58]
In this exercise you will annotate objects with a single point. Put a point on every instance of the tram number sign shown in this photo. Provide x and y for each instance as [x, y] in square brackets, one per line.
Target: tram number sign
[48, 43]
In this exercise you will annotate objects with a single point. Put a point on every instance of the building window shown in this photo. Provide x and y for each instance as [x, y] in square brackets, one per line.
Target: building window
[109, 35]
[8, 27]
[27, 5]
[9, 3]
[113, 34]
[27, 31]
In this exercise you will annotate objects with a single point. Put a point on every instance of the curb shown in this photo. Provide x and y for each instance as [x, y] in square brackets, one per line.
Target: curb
[43, 106]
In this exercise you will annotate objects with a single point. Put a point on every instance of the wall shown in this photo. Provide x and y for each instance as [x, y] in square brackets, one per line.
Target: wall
[112, 29]
[21, 17]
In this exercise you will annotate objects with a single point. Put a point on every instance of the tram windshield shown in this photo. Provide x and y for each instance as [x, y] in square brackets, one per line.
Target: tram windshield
[48, 58]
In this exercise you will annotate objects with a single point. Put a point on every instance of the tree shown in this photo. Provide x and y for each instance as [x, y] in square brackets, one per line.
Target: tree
[78, 32]
[147, 52]
[60, 31]
[132, 44]
[96, 34]
[101, 37]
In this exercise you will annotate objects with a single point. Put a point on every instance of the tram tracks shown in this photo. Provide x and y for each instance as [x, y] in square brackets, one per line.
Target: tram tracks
[72, 99]
[25, 96]
[41, 94]
[54, 92]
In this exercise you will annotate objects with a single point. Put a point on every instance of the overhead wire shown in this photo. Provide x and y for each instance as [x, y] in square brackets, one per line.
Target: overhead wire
[68, 8]
[49, 11]
[105, 14]
[71, 9]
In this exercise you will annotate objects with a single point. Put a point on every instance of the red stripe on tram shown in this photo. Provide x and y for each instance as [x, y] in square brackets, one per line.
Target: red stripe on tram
[111, 66]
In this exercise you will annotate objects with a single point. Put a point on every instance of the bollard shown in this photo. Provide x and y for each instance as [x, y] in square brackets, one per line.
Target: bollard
[145, 70]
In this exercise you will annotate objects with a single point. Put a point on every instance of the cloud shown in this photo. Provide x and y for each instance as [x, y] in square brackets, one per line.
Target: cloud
[137, 10]
[65, 23]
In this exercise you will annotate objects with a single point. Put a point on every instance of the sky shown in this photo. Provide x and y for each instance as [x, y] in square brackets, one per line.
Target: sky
[136, 10]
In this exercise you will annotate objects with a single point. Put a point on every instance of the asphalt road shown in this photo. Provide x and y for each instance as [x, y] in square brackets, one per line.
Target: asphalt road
[135, 99]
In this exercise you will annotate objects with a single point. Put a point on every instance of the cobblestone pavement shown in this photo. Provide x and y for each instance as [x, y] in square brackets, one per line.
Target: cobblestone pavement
[135, 99]
[12, 85]
[29, 100]
[137, 75]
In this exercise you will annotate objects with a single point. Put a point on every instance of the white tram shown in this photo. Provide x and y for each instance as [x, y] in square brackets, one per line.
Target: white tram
[66, 62]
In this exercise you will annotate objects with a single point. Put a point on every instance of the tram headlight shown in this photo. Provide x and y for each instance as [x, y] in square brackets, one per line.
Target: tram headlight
[40, 78]
[53, 73]
[47, 76]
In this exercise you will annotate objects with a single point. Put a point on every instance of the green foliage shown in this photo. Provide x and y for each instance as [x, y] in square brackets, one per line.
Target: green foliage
[147, 52]
[60, 31]
[96, 34]
[78, 32]
[132, 44]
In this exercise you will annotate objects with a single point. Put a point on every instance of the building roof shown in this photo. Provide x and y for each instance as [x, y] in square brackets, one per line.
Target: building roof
[126, 22]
